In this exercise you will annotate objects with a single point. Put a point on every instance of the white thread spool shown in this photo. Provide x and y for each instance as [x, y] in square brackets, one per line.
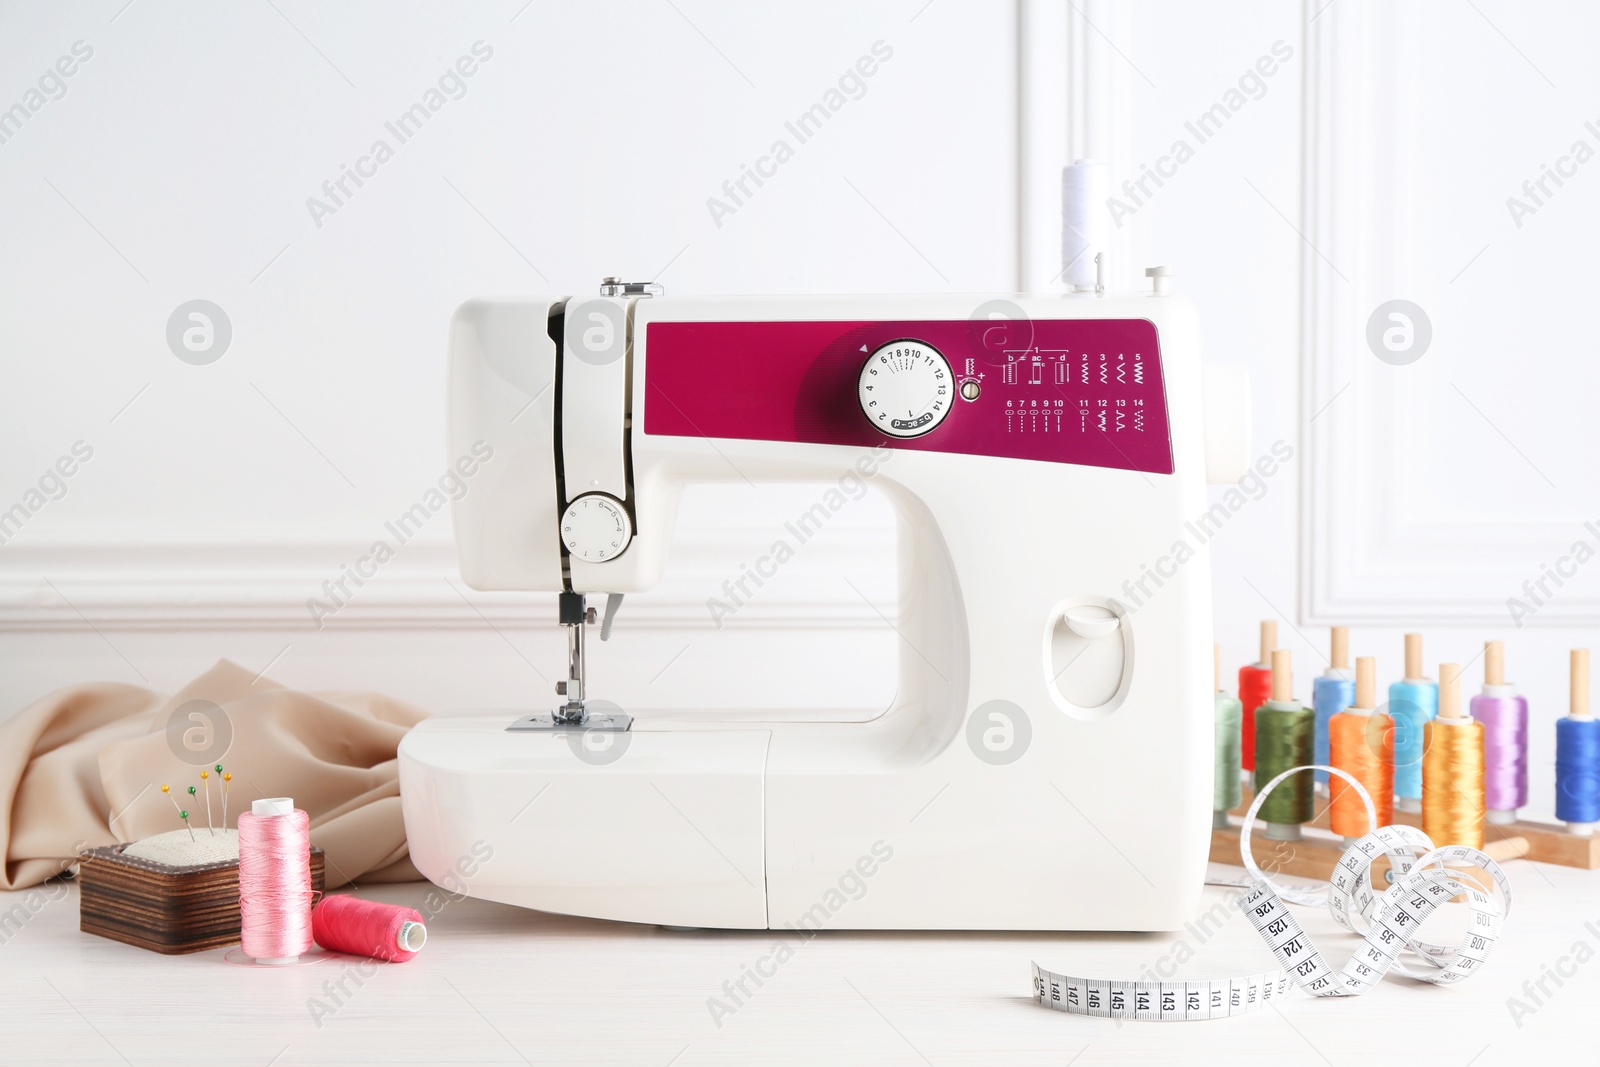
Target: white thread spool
[1083, 222]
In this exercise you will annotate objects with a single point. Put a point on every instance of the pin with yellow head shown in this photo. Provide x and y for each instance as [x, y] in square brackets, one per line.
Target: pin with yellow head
[206, 785]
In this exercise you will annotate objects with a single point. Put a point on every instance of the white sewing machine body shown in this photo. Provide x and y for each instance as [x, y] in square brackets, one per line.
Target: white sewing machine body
[1040, 524]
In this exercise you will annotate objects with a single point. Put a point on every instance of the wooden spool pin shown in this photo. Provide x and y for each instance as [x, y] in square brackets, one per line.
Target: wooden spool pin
[1578, 702]
[1269, 641]
[1494, 663]
[1449, 689]
[1282, 676]
[1414, 658]
[1339, 648]
[1366, 683]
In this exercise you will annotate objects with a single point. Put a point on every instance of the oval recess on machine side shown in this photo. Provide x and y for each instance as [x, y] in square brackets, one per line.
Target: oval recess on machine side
[1088, 657]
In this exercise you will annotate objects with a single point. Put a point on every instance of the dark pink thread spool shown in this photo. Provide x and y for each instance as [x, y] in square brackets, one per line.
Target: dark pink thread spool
[368, 928]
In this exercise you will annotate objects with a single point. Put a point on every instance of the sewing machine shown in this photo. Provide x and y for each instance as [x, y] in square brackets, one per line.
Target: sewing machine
[1046, 762]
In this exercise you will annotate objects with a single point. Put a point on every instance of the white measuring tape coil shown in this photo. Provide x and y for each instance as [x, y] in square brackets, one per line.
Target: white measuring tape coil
[1388, 924]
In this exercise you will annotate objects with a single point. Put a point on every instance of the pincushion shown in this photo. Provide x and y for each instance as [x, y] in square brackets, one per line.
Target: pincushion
[169, 893]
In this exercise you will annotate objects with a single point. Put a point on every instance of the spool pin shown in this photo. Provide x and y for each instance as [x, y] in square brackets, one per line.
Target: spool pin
[1578, 684]
[1282, 676]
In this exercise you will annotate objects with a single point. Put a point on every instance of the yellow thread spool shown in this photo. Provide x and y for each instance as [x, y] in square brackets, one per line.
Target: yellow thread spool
[1453, 801]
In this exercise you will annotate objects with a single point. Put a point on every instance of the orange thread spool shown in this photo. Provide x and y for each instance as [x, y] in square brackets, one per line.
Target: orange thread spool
[1361, 743]
[1362, 746]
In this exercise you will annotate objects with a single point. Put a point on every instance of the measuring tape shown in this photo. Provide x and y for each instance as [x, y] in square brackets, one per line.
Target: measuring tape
[1388, 925]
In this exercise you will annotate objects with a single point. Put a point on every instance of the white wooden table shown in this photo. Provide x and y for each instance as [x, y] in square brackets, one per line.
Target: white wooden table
[500, 985]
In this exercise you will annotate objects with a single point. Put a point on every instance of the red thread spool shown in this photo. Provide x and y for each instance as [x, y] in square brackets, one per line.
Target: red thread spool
[1255, 689]
[368, 928]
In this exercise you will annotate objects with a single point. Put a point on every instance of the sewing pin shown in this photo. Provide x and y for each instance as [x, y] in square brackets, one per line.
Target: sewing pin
[167, 790]
[226, 778]
[204, 775]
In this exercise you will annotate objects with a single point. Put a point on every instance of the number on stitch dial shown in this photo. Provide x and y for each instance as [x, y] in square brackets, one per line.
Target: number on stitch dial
[905, 388]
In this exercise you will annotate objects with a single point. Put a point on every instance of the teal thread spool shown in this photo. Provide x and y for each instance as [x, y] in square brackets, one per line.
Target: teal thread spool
[1285, 733]
[1413, 703]
[1227, 751]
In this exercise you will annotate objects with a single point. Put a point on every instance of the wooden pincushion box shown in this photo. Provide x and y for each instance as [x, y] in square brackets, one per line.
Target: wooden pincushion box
[166, 909]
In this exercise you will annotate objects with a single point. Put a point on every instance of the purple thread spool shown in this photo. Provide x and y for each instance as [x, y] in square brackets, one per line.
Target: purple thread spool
[1504, 716]
[1505, 732]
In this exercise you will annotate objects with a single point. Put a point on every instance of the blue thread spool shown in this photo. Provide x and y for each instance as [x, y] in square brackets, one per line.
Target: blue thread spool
[1331, 694]
[1578, 770]
[1578, 756]
[1413, 703]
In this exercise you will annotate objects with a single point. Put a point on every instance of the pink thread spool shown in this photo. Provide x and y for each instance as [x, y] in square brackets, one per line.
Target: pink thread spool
[275, 891]
[368, 928]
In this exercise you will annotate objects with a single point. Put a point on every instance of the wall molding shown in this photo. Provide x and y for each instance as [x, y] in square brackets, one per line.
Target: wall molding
[264, 585]
[1368, 553]
[1072, 101]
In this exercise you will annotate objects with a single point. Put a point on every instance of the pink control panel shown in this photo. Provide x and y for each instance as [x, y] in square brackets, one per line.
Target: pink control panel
[1083, 391]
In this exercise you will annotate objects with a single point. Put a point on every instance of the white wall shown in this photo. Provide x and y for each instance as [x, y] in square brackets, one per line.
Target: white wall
[178, 164]
[1380, 168]
[1374, 163]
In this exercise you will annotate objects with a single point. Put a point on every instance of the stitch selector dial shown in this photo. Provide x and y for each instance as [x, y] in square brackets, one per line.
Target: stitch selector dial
[905, 388]
[596, 528]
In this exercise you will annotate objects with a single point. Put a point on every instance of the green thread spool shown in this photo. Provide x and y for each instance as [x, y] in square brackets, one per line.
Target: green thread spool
[1285, 733]
[1226, 792]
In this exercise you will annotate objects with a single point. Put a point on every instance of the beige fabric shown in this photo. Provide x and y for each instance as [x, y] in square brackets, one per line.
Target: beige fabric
[84, 766]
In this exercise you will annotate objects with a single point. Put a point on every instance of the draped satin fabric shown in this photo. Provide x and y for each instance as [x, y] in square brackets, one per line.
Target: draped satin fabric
[84, 766]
